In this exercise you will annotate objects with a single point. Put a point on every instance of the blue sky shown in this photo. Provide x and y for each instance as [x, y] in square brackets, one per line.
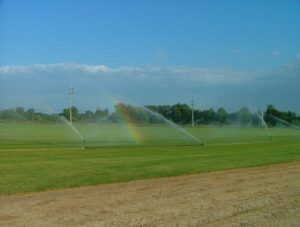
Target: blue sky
[217, 52]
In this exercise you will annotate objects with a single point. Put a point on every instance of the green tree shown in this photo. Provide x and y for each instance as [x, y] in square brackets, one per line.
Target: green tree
[209, 116]
[100, 114]
[244, 116]
[66, 113]
[30, 113]
[221, 115]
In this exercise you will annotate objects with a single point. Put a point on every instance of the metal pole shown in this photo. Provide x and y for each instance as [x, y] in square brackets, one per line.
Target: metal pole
[262, 117]
[71, 94]
[193, 123]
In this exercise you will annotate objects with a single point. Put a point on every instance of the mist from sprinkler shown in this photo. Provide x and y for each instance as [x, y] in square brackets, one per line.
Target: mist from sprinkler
[172, 124]
[71, 126]
[284, 122]
[264, 124]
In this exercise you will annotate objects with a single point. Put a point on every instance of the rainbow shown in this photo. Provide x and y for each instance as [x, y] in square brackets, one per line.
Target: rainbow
[133, 131]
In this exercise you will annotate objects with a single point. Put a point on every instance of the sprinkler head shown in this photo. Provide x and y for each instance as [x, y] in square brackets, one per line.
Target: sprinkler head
[84, 143]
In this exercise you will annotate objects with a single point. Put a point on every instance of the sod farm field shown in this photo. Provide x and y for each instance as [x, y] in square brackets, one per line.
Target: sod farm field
[37, 157]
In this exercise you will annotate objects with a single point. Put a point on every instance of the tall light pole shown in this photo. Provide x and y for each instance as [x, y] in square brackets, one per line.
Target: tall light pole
[192, 105]
[71, 96]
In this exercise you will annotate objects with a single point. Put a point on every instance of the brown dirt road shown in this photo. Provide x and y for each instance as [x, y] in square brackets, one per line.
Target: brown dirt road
[263, 196]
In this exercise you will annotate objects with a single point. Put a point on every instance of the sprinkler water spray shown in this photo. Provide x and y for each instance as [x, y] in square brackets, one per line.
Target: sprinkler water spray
[200, 142]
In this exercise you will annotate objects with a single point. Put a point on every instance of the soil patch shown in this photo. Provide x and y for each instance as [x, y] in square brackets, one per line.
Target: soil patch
[260, 196]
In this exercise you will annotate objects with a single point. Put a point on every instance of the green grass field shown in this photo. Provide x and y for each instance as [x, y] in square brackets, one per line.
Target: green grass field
[30, 135]
[37, 157]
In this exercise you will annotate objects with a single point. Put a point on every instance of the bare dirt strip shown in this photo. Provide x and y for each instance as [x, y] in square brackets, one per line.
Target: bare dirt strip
[263, 196]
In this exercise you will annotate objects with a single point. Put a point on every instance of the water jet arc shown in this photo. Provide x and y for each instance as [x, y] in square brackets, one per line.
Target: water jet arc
[261, 116]
[69, 124]
[284, 122]
[171, 123]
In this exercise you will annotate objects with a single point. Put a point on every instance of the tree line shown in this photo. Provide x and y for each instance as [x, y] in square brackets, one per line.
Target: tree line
[155, 114]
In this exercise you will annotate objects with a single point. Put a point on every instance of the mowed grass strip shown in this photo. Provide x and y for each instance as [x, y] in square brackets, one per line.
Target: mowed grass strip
[34, 170]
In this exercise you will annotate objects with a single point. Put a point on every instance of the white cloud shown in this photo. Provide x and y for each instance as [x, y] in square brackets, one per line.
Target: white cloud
[184, 73]
[46, 68]
[14, 69]
[147, 84]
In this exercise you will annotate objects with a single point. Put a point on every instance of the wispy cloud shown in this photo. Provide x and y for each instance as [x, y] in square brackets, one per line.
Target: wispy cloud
[277, 53]
[184, 73]
[59, 67]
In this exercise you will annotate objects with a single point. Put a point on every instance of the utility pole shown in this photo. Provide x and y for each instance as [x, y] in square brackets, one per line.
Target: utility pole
[192, 105]
[262, 118]
[71, 96]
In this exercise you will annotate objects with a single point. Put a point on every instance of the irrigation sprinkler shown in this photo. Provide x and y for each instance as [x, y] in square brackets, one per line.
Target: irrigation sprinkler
[264, 125]
[74, 129]
[84, 143]
[191, 136]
